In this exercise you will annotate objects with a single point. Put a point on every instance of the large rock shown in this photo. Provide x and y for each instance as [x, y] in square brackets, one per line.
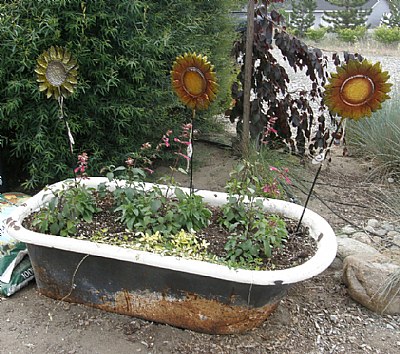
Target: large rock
[374, 282]
[349, 247]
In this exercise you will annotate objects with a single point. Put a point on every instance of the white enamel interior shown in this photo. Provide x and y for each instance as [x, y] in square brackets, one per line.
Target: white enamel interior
[318, 226]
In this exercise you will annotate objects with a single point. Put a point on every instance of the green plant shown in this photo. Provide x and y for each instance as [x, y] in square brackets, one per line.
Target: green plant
[350, 35]
[124, 51]
[387, 35]
[66, 208]
[253, 235]
[302, 16]
[378, 139]
[316, 34]
[349, 16]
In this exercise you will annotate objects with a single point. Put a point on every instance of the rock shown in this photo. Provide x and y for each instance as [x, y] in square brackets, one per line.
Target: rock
[373, 281]
[393, 234]
[387, 226]
[369, 229]
[375, 231]
[348, 230]
[362, 237]
[337, 264]
[348, 247]
[373, 223]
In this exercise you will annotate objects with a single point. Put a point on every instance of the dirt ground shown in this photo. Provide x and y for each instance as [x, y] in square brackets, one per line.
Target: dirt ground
[317, 316]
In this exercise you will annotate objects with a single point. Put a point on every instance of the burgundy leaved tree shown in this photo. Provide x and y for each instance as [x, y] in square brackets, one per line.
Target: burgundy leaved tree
[273, 102]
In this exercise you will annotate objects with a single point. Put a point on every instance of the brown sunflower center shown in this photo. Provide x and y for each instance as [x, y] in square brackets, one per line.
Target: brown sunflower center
[56, 73]
[194, 81]
[357, 90]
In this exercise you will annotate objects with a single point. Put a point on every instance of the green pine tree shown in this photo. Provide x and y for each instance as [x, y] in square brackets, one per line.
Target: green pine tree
[302, 17]
[392, 20]
[350, 17]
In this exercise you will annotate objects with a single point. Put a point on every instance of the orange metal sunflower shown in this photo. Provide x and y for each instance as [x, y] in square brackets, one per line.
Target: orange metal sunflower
[194, 80]
[357, 89]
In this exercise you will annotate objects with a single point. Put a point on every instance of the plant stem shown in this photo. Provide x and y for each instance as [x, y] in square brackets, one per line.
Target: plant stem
[317, 175]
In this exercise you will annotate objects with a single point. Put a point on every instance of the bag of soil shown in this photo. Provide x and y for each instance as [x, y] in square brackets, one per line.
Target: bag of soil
[15, 267]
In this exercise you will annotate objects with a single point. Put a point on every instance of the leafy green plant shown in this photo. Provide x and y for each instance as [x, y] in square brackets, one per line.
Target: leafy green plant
[316, 34]
[350, 35]
[253, 235]
[66, 208]
[386, 35]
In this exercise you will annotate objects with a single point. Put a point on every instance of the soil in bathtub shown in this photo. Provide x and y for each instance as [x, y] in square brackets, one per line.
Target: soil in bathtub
[208, 244]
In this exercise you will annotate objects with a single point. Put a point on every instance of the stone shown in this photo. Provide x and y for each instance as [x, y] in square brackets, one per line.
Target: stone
[369, 229]
[348, 230]
[393, 234]
[373, 281]
[348, 247]
[381, 232]
[373, 223]
[362, 237]
[337, 264]
[387, 226]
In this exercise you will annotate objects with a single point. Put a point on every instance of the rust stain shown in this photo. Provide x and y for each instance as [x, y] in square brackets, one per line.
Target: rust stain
[191, 311]
[194, 312]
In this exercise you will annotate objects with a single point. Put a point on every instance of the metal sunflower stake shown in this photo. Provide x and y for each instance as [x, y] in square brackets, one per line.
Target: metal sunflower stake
[355, 91]
[57, 73]
[194, 81]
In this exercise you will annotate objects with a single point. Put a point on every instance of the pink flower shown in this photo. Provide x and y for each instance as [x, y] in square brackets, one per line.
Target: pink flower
[187, 143]
[165, 139]
[130, 161]
[183, 155]
[148, 170]
[146, 146]
[272, 168]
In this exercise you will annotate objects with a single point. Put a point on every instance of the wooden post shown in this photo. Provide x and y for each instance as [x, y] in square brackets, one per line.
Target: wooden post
[248, 71]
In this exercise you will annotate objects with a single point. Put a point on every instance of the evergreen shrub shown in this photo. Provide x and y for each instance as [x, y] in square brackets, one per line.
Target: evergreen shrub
[352, 35]
[125, 50]
[316, 34]
[386, 35]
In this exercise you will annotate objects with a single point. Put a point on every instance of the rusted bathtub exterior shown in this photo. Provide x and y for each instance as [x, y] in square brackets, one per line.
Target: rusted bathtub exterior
[190, 294]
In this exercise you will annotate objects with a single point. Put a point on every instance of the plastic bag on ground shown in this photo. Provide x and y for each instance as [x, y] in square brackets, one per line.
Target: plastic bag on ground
[15, 267]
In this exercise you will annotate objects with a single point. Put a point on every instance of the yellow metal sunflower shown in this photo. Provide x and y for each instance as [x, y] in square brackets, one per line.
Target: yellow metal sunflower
[57, 72]
[194, 80]
[357, 89]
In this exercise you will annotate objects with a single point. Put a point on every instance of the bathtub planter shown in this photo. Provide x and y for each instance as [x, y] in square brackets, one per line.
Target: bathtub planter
[190, 294]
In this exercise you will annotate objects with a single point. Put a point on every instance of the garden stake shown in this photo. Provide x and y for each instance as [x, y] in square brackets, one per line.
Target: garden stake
[190, 153]
[317, 174]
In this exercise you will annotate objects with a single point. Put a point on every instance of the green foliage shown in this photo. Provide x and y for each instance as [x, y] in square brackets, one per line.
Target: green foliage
[392, 20]
[65, 210]
[378, 139]
[302, 17]
[316, 34]
[349, 17]
[125, 50]
[244, 251]
[387, 35]
[352, 35]
[253, 234]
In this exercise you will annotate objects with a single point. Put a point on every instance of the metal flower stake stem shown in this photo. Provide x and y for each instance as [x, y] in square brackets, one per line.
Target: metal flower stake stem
[57, 73]
[355, 91]
[317, 175]
[194, 82]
